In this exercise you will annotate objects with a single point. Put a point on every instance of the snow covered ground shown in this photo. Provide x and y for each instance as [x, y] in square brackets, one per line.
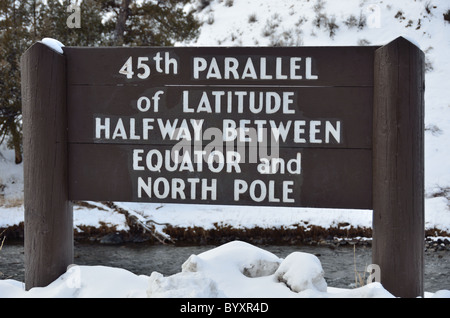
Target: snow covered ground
[232, 270]
[262, 23]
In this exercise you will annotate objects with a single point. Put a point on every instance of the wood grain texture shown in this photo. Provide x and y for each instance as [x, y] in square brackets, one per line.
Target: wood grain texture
[398, 175]
[48, 212]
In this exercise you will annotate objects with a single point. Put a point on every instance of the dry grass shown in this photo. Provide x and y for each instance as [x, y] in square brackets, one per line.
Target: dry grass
[360, 280]
[3, 240]
[13, 203]
[1, 245]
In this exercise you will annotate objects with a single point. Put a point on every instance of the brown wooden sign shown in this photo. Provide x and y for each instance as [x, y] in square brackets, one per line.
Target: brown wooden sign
[330, 127]
[272, 126]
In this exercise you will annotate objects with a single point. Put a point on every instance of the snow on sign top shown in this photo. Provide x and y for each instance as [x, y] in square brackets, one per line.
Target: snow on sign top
[55, 45]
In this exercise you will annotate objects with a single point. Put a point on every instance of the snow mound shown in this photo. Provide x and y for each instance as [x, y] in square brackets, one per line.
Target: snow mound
[301, 271]
[236, 256]
[234, 270]
[83, 282]
[181, 285]
[241, 270]
[441, 294]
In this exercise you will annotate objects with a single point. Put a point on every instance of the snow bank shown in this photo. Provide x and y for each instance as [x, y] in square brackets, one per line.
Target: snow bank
[302, 271]
[233, 270]
[241, 270]
[83, 282]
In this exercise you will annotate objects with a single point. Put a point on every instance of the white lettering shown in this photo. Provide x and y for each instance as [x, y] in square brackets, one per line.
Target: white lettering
[278, 68]
[283, 68]
[170, 61]
[176, 188]
[313, 131]
[309, 76]
[231, 65]
[137, 158]
[200, 65]
[259, 191]
[335, 131]
[249, 70]
[295, 67]
[99, 127]
[119, 131]
[213, 70]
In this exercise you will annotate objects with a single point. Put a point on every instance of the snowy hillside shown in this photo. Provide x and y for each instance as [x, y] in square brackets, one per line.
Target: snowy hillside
[347, 23]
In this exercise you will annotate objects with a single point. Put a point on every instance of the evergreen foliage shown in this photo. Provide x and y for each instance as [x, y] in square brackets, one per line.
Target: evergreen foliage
[102, 23]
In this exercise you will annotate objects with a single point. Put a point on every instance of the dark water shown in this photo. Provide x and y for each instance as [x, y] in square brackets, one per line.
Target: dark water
[338, 263]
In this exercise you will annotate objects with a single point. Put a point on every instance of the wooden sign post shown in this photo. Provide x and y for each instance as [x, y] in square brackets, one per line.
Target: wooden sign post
[328, 127]
[398, 159]
[48, 238]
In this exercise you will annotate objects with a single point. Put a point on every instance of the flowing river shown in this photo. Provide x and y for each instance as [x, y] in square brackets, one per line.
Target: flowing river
[340, 264]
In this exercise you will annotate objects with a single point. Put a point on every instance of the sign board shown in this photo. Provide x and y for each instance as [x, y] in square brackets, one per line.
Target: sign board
[245, 126]
[329, 127]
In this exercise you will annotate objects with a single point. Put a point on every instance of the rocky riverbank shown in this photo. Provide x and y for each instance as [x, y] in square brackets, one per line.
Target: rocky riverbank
[342, 235]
